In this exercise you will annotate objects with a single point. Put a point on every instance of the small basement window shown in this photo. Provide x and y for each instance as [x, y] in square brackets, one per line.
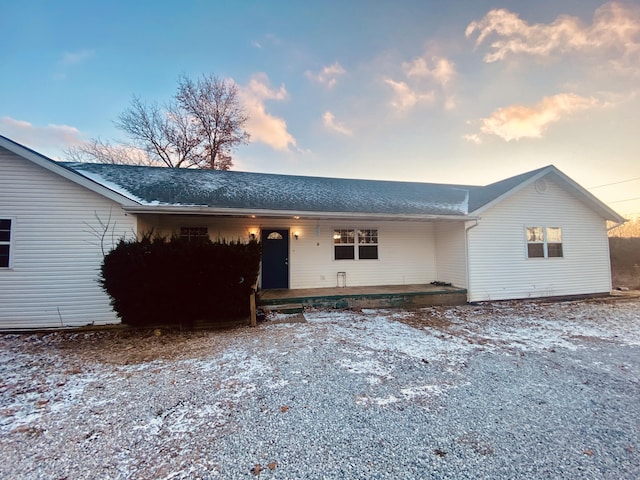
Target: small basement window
[194, 233]
[544, 242]
[5, 242]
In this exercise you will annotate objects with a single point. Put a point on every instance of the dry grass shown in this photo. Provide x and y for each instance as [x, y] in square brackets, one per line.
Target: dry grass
[629, 278]
[128, 346]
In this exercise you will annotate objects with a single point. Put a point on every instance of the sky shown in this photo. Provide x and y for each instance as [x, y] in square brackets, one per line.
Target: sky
[465, 92]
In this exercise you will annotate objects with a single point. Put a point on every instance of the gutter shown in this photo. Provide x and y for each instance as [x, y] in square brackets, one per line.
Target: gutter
[244, 213]
[618, 224]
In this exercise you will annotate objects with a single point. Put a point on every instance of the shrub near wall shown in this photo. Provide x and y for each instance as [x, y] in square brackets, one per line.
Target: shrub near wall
[155, 281]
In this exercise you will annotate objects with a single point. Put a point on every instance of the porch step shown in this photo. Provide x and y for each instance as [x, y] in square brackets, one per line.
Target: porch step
[284, 308]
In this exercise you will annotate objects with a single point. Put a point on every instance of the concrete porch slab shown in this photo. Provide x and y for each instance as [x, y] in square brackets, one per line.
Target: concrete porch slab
[381, 296]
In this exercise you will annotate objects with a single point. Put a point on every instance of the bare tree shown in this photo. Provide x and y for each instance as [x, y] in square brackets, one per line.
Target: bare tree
[200, 127]
[168, 135]
[97, 150]
[220, 117]
[630, 229]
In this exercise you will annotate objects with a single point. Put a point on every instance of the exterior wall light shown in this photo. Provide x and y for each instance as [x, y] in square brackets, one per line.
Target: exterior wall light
[296, 234]
[253, 233]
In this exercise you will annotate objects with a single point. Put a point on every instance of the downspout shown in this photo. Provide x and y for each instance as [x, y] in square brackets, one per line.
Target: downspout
[466, 245]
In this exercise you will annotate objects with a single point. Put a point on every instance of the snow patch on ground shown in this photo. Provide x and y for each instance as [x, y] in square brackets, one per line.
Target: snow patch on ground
[215, 404]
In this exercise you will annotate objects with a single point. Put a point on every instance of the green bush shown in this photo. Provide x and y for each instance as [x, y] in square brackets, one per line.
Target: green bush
[154, 281]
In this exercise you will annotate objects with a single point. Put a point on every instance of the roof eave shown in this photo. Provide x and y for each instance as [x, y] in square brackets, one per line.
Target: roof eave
[294, 214]
[593, 202]
[54, 167]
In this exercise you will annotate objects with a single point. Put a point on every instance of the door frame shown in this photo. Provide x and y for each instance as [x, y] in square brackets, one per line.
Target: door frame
[265, 231]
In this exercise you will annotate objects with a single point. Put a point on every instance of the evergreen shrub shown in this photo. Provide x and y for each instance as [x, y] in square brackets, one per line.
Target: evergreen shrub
[155, 281]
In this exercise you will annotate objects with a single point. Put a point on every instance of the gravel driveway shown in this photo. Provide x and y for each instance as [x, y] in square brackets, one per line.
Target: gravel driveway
[504, 390]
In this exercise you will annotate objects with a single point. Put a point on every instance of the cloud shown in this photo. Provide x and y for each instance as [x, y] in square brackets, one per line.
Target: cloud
[405, 97]
[328, 76]
[615, 31]
[519, 121]
[40, 137]
[442, 71]
[426, 79]
[330, 122]
[267, 40]
[73, 58]
[263, 126]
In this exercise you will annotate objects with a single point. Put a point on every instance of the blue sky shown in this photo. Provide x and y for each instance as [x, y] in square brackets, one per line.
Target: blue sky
[453, 92]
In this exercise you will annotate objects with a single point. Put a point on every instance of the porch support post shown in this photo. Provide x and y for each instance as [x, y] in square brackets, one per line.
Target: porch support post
[252, 306]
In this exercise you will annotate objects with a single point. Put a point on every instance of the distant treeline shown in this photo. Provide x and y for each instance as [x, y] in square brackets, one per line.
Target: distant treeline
[625, 261]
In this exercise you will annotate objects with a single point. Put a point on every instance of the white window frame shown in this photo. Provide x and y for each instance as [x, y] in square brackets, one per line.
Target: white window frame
[357, 243]
[544, 241]
[9, 243]
[189, 237]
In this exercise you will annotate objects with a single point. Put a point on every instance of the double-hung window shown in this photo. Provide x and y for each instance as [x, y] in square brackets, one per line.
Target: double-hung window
[368, 244]
[345, 241]
[5, 242]
[544, 242]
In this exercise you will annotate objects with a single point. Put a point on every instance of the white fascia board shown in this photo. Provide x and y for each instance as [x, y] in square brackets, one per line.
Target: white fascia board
[240, 212]
[589, 199]
[54, 167]
[570, 185]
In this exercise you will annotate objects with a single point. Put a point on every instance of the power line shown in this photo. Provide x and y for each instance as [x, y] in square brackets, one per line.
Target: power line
[615, 183]
[625, 200]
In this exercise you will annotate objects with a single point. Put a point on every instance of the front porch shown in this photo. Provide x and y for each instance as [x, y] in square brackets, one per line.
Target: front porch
[382, 296]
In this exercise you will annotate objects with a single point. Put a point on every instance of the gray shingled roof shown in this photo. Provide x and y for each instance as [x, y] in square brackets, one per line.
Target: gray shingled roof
[241, 190]
[155, 186]
[283, 194]
[480, 196]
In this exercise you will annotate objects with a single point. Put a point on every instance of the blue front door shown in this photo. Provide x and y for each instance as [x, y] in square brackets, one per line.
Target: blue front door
[275, 258]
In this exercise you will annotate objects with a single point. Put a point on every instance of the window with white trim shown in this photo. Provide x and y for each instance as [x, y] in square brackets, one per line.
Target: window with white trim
[345, 241]
[194, 233]
[544, 242]
[5, 242]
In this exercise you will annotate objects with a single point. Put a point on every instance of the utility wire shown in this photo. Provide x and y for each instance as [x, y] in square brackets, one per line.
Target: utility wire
[625, 200]
[615, 183]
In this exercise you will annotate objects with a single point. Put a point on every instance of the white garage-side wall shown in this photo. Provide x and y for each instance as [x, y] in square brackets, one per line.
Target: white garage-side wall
[406, 250]
[52, 280]
[497, 248]
[451, 253]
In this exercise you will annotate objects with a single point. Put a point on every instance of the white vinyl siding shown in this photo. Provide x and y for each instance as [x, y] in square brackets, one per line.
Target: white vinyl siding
[56, 254]
[406, 250]
[499, 267]
[451, 258]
